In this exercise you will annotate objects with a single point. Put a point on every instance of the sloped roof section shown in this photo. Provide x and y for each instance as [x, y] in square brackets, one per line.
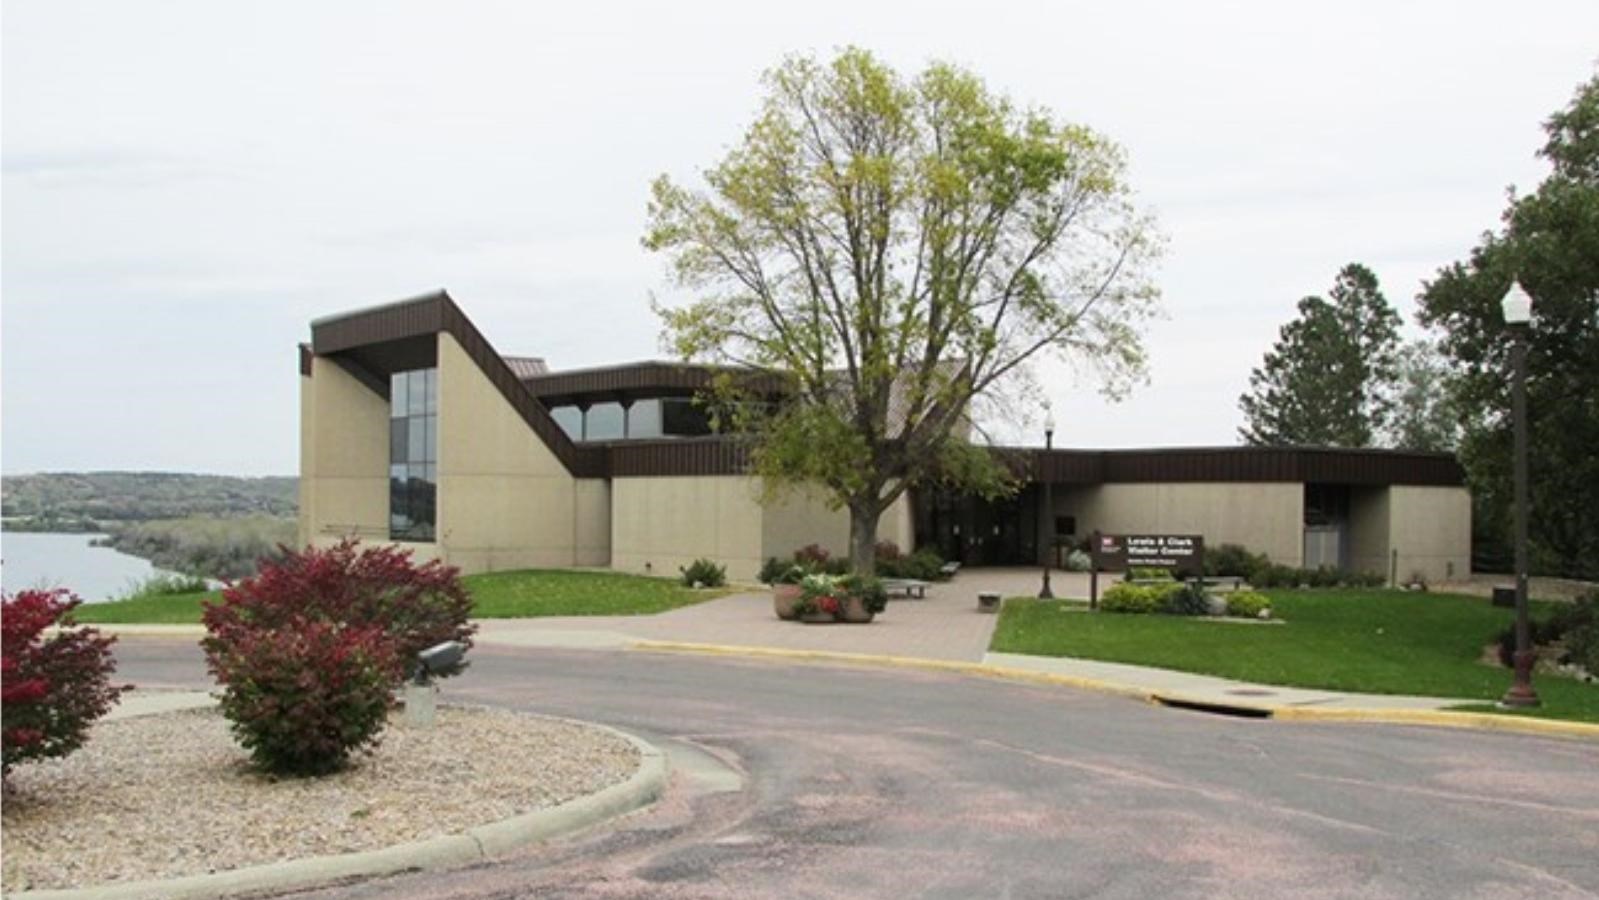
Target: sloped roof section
[431, 314]
[525, 367]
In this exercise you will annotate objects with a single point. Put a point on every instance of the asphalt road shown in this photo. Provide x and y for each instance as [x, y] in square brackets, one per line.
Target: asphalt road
[873, 783]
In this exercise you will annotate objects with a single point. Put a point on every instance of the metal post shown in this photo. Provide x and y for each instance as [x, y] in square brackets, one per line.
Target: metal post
[1521, 692]
[1045, 593]
[1093, 570]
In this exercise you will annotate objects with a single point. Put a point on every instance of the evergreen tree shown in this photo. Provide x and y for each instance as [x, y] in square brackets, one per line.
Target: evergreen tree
[1328, 380]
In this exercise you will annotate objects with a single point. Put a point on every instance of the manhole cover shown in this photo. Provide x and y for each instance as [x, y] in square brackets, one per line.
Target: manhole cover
[1250, 692]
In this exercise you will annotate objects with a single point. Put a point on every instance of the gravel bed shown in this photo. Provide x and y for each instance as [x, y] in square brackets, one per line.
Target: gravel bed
[169, 795]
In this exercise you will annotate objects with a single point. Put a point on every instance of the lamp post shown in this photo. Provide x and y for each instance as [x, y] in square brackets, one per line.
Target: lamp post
[1044, 593]
[1517, 307]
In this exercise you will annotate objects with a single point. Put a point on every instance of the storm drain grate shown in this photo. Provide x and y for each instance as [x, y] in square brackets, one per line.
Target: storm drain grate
[1218, 709]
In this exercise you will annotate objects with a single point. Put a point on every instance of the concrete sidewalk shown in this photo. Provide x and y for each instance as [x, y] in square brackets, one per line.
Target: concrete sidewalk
[1170, 685]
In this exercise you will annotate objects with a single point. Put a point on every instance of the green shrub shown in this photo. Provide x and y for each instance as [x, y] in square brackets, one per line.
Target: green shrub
[703, 573]
[923, 565]
[1131, 598]
[772, 570]
[1149, 573]
[1187, 600]
[1078, 561]
[1246, 604]
[166, 585]
[1235, 560]
[870, 590]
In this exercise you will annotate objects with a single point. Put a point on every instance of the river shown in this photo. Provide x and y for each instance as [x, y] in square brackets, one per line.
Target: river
[44, 559]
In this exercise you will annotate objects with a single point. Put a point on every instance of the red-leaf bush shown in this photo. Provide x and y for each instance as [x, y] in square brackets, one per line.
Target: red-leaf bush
[309, 650]
[304, 695]
[51, 688]
[417, 606]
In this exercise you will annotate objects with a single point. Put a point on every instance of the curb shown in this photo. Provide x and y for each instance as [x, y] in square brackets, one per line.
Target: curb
[448, 851]
[1424, 717]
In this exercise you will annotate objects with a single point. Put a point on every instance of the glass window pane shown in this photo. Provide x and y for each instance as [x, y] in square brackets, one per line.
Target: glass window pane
[644, 419]
[397, 440]
[682, 416]
[417, 392]
[430, 473]
[570, 420]
[397, 394]
[417, 438]
[430, 446]
[605, 422]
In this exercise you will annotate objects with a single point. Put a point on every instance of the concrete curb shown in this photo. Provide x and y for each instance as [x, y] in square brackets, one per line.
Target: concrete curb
[448, 851]
[1435, 718]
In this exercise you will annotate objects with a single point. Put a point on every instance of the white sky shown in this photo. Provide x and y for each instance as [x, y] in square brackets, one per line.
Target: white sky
[187, 184]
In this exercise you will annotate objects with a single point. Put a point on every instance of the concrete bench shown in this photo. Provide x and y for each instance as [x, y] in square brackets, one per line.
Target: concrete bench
[949, 569]
[910, 587]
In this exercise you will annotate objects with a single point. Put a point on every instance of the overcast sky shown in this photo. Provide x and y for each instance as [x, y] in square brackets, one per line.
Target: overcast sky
[186, 185]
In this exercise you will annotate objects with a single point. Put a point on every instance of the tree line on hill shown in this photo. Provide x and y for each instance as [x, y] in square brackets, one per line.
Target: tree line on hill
[1340, 375]
[89, 499]
[214, 526]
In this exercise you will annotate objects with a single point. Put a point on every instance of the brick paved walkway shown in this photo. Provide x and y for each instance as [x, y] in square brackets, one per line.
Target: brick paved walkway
[946, 625]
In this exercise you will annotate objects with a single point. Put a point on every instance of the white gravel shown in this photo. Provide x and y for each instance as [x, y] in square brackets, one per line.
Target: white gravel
[169, 795]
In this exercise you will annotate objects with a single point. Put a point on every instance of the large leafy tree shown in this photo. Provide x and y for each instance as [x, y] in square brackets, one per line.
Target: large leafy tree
[899, 250]
[1328, 380]
[1423, 417]
[1549, 241]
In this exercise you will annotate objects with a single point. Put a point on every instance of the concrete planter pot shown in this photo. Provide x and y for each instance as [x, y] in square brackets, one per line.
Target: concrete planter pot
[818, 618]
[855, 611]
[784, 599]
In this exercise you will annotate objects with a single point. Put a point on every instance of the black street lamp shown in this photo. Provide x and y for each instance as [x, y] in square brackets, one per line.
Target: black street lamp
[1517, 307]
[1045, 593]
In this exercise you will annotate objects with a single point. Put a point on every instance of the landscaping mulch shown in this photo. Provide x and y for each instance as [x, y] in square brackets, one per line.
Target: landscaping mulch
[169, 795]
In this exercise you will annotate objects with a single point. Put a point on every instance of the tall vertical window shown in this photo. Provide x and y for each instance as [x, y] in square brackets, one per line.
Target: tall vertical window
[413, 453]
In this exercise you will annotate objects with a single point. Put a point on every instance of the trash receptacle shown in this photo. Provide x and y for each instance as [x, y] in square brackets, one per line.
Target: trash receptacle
[988, 602]
[1504, 596]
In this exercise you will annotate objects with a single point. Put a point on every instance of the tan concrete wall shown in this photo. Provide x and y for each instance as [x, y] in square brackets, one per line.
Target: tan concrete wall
[659, 524]
[797, 517]
[504, 499]
[344, 457]
[1368, 530]
[592, 522]
[1266, 517]
[1431, 529]
[801, 517]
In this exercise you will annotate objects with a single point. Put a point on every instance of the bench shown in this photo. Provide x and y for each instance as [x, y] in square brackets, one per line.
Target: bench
[949, 569]
[910, 587]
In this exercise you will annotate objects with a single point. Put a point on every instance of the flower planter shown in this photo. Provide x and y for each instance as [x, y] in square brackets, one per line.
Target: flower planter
[855, 611]
[784, 598]
[818, 618]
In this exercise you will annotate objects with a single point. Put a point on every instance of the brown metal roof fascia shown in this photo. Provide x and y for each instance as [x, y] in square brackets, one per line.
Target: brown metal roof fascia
[433, 313]
[1237, 464]
[684, 456]
[305, 359]
[642, 380]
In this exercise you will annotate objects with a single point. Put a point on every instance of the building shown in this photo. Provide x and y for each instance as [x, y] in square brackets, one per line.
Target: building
[413, 429]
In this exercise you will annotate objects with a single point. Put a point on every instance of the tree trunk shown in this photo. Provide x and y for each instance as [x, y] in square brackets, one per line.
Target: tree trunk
[863, 538]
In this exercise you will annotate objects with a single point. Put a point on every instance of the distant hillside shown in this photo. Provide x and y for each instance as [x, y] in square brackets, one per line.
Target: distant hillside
[84, 498]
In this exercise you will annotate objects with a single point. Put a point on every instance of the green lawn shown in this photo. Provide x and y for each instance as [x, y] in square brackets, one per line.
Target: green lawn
[498, 595]
[1381, 642]
[150, 609]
